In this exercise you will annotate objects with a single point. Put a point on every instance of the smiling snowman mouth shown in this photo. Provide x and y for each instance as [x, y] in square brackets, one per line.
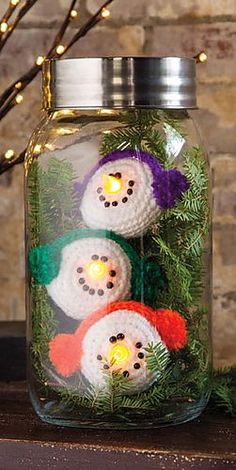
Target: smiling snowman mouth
[127, 191]
[116, 339]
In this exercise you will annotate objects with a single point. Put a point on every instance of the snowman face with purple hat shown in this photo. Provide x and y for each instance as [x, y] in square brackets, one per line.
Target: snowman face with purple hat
[127, 190]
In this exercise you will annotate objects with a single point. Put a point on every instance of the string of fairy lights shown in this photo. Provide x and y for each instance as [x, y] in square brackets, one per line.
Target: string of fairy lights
[13, 96]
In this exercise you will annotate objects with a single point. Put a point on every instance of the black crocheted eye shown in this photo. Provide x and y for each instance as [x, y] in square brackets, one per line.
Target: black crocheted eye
[140, 355]
[110, 285]
[120, 336]
[112, 339]
[112, 273]
[137, 365]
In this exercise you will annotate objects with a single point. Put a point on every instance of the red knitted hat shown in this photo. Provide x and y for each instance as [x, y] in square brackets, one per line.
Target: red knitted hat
[66, 350]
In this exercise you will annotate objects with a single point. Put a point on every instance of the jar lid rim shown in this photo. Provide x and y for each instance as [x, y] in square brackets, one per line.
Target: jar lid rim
[120, 82]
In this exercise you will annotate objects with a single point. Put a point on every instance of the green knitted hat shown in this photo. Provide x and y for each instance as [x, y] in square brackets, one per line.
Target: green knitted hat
[86, 269]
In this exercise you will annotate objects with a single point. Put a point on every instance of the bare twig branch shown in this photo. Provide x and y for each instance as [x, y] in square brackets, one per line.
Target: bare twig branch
[22, 12]
[8, 97]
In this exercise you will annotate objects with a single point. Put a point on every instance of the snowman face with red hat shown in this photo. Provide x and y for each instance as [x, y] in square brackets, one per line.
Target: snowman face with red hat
[115, 339]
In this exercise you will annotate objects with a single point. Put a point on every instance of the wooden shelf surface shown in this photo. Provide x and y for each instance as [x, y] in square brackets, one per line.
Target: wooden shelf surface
[208, 443]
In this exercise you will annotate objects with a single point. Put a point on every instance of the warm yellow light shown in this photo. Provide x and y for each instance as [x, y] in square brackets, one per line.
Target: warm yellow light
[39, 60]
[18, 85]
[73, 13]
[202, 57]
[112, 185]
[60, 49]
[18, 99]
[105, 13]
[119, 354]
[9, 154]
[96, 270]
[4, 27]
[37, 148]
[14, 2]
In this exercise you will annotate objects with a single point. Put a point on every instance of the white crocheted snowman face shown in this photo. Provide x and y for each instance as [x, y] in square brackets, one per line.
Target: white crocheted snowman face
[118, 342]
[119, 197]
[93, 272]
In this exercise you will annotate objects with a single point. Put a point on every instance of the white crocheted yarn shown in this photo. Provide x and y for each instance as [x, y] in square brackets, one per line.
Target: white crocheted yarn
[78, 293]
[97, 348]
[135, 206]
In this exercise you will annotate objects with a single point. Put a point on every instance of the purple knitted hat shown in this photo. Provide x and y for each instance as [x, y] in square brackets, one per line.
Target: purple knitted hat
[168, 185]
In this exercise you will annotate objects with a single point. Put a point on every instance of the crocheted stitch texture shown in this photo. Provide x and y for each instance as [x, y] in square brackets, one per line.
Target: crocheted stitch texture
[146, 276]
[168, 185]
[129, 324]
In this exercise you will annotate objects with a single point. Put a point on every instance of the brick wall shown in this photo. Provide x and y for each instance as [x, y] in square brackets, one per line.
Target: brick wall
[148, 27]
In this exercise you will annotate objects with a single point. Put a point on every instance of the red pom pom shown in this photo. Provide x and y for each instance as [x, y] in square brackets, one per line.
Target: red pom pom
[64, 354]
[171, 327]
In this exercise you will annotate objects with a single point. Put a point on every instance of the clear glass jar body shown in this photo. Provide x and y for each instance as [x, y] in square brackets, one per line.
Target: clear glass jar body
[119, 268]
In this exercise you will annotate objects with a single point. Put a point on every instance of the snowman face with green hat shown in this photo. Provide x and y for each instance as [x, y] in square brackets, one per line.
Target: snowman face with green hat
[86, 269]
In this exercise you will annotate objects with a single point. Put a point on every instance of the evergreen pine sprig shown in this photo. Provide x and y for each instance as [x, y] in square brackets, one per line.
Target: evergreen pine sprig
[52, 201]
[44, 326]
[157, 358]
[223, 395]
[177, 242]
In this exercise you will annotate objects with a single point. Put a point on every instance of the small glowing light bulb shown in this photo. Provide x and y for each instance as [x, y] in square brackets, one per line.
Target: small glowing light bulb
[105, 13]
[119, 354]
[9, 154]
[18, 99]
[112, 185]
[39, 60]
[18, 85]
[60, 49]
[4, 27]
[37, 148]
[201, 57]
[73, 13]
[96, 270]
[14, 2]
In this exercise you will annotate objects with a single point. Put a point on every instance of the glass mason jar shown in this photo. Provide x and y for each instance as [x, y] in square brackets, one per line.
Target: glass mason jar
[118, 246]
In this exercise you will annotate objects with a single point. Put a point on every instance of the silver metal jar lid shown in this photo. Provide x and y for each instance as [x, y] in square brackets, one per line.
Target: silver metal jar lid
[120, 82]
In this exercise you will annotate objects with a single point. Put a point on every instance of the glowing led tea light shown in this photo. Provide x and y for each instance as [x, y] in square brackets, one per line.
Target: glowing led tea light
[119, 354]
[96, 270]
[112, 185]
